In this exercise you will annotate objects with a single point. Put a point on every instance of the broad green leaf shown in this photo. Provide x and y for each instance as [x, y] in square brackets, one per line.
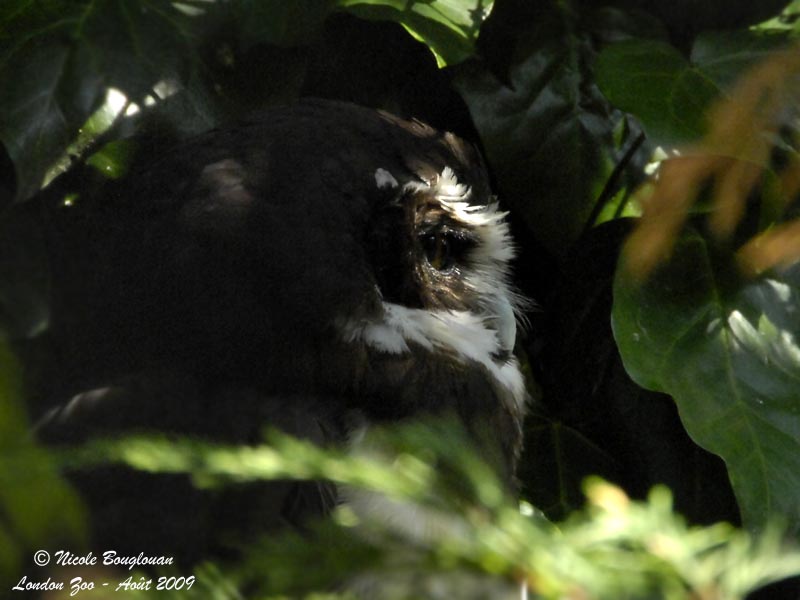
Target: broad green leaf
[669, 94]
[723, 56]
[685, 18]
[448, 27]
[786, 20]
[729, 356]
[592, 419]
[655, 83]
[279, 22]
[58, 58]
[548, 133]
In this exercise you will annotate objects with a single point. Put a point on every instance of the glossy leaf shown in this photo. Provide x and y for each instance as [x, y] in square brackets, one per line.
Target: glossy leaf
[655, 83]
[669, 94]
[58, 58]
[448, 27]
[729, 356]
[548, 132]
[686, 18]
[723, 56]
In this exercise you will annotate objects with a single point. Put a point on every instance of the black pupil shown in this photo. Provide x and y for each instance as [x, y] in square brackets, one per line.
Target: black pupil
[441, 250]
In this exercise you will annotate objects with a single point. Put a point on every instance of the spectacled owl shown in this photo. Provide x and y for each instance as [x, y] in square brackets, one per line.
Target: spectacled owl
[319, 268]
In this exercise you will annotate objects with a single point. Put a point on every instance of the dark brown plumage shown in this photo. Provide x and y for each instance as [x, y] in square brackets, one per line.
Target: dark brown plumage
[316, 267]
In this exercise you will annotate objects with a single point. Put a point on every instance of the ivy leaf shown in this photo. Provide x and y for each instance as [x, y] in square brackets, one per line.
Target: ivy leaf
[548, 132]
[723, 56]
[729, 356]
[58, 58]
[669, 94]
[448, 27]
[654, 82]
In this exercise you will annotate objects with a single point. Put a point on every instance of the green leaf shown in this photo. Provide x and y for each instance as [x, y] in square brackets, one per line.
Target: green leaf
[557, 459]
[729, 356]
[448, 27]
[37, 508]
[723, 56]
[615, 548]
[58, 58]
[279, 22]
[669, 94]
[655, 83]
[548, 133]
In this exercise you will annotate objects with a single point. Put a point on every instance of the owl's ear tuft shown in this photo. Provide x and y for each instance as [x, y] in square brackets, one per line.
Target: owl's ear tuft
[220, 200]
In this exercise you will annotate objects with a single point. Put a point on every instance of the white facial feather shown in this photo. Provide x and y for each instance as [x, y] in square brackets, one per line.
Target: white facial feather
[384, 179]
[488, 272]
[463, 334]
[468, 336]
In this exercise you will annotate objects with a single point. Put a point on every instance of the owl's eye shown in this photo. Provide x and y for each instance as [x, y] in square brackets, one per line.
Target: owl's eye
[444, 249]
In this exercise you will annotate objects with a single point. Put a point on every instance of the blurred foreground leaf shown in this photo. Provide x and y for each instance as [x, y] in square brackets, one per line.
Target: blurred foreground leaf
[747, 166]
[466, 542]
[37, 509]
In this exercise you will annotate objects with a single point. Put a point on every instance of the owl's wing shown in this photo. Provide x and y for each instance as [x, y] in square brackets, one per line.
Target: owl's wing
[134, 511]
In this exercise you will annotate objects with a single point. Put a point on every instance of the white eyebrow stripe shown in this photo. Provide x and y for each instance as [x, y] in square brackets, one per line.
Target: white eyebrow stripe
[454, 197]
[448, 188]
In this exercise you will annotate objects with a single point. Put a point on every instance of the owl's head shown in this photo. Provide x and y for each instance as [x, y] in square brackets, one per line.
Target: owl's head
[378, 240]
[440, 255]
[318, 249]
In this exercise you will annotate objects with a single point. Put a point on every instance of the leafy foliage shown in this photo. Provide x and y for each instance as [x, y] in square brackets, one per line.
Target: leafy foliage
[545, 125]
[569, 101]
[36, 507]
[728, 355]
[480, 544]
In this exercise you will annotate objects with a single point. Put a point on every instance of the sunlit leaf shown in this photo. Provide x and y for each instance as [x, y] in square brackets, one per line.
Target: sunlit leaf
[728, 354]
[448, 27]
[58, 58]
